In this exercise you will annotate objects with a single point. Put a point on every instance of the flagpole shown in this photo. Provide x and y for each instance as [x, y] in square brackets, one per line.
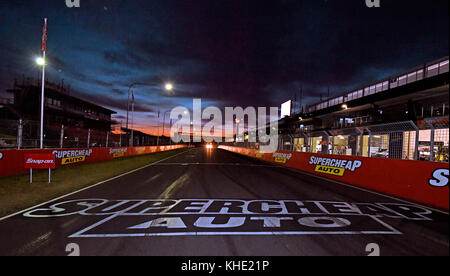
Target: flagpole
[42, 103]
[44, 46]
[132, 121]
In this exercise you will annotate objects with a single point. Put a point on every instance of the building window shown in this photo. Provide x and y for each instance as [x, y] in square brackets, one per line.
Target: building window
[379, 146]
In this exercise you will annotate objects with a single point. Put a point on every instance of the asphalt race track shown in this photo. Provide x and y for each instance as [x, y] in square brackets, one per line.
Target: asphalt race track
[216, 203]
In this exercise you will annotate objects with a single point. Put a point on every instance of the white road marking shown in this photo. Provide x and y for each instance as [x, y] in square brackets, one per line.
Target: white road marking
[216, 164]
[77, 235]
[92, 186]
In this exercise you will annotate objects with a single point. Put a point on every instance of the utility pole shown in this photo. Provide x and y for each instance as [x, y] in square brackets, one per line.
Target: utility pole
[328, 98]
[301, 99]
[132, 120]
[128, 103]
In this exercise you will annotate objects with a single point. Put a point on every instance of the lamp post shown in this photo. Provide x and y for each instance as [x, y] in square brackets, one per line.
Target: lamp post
[168, 87]
[41, 62]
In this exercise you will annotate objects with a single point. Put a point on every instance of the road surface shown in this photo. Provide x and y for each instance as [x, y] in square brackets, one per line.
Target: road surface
[217, 203]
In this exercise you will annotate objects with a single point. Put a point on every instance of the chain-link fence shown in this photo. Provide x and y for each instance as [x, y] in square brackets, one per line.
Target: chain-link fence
[24, 134]
[426, 140]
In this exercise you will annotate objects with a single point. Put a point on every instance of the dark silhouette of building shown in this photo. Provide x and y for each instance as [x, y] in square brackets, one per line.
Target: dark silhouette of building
[61, 108]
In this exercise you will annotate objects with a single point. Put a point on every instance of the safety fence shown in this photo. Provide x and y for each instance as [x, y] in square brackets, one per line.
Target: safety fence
[25, 134]
[424, 182]
[12, 162]
[425, 140]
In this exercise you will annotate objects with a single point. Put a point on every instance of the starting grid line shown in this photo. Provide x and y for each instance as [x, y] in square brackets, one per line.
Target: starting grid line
[216, 164]
[141, 235]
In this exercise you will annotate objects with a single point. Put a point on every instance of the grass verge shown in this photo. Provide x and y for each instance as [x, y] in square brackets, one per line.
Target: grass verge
[16, 192]
[4, 136]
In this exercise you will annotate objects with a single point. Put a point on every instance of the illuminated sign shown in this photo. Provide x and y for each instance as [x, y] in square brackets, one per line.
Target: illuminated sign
[286, 109]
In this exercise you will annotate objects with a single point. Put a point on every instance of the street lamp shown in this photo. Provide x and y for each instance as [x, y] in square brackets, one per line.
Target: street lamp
[40, 61]
[169, 86]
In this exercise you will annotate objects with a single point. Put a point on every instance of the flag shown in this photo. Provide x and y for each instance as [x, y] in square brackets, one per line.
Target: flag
[44, 36]
[132, 96]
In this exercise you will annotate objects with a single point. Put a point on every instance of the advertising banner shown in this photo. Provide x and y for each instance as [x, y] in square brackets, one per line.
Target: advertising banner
[39, 161]
[424, 182]
[14, 162]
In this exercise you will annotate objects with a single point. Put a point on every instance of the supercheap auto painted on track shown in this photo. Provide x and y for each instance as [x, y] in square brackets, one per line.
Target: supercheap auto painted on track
[139, 218]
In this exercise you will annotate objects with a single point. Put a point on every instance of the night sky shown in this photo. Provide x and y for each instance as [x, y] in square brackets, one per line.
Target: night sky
[226, 52]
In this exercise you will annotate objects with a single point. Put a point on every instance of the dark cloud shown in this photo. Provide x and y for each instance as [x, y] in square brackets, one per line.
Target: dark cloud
[227, 52]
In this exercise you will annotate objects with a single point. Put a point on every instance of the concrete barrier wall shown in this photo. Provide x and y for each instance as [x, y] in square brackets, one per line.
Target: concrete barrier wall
[12, 161]
[424, 182]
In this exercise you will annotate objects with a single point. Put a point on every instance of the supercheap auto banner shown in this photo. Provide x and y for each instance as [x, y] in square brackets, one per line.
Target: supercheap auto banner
[424, 182]
[13, 161]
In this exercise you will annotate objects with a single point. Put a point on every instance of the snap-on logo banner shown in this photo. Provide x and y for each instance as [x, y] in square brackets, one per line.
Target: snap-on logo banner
[334, 166]
[39, 161]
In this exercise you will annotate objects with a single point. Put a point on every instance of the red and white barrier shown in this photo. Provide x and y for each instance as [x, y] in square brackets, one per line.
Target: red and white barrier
[14, 161]
[424, 182]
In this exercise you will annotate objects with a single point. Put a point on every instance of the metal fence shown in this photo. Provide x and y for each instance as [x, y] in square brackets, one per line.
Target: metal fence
[427, 140]
[24, 134]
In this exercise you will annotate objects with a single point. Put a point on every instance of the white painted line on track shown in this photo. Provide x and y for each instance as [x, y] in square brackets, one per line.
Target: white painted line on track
[231, 234]
[94, 185]
[216, 164]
